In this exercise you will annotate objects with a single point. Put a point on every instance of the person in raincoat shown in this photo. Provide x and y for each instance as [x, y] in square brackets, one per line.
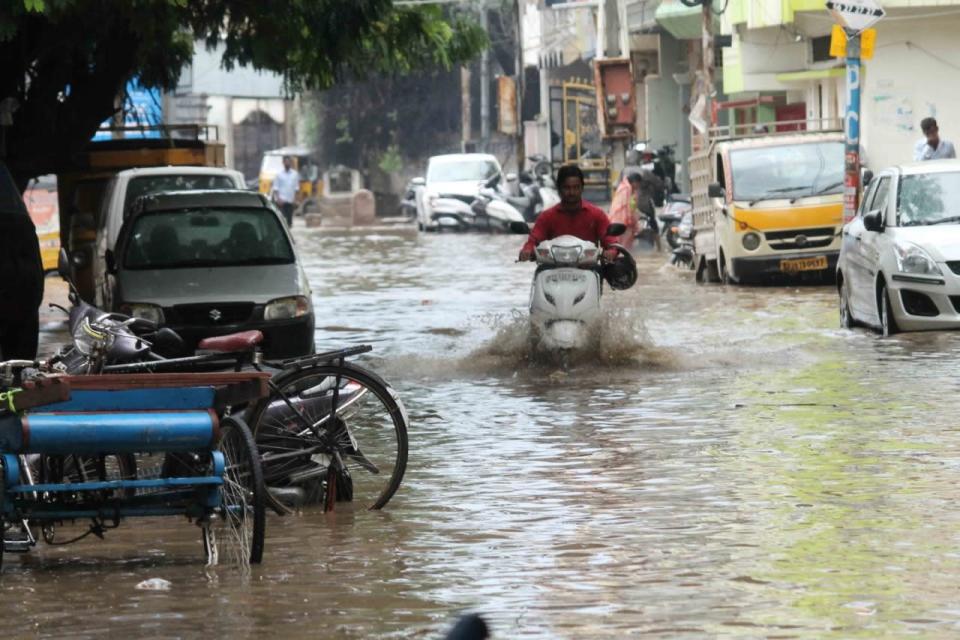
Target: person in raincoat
[623, 209]
[21, 275]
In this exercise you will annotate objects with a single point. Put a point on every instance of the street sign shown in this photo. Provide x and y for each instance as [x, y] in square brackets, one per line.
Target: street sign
[856, 15]
[838, 43]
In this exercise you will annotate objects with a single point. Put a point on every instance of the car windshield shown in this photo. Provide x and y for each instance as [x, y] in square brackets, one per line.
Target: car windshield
[461, 171]
[926, 199]
[210, 237]
[143, 185]
[788, 171]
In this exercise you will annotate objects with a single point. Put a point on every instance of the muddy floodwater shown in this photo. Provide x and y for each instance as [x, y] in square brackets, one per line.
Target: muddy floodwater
[729, 464]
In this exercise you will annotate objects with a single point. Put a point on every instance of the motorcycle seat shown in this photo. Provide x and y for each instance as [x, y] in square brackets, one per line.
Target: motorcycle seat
[519, 202]
[241, 341]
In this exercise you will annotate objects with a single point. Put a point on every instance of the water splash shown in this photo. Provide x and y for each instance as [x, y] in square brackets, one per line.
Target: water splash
[618, 339]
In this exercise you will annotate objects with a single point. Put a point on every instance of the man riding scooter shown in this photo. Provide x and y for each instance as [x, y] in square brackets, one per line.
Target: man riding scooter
[574, 216]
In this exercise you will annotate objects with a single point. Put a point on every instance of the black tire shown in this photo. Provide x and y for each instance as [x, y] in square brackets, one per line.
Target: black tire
[243, 495]
[722, 268]
[377, 424]
[888, 324]
[87, 468]
[846, 317]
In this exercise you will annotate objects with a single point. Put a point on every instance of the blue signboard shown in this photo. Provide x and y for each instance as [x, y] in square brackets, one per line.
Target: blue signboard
[141, 108]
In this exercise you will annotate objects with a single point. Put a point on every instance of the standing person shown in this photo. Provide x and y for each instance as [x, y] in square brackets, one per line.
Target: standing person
[624, 208]
[932, 147]
[21, 284]
[284, 190]
[573, 216]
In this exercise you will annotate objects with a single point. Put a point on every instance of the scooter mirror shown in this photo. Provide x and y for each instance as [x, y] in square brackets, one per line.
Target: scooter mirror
[418, 182]
[63, 264]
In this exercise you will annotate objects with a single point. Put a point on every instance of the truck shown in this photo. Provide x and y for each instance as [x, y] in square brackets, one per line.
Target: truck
[767, 205]
[82, 183]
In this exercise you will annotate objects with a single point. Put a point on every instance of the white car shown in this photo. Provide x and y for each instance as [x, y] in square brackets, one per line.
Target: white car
[899, 266]
[127, 186]
[452, 184]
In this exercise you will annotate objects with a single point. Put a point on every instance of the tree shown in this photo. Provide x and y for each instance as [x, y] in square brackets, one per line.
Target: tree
[66, 61]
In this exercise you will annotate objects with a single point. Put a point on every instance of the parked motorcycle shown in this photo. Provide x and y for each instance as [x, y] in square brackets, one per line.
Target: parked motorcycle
[566, 291]
[494, 211]
[674, 208]
[683, 253]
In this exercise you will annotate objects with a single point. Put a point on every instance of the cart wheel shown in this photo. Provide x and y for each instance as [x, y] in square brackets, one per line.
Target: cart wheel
[3, 499]
[239, 534]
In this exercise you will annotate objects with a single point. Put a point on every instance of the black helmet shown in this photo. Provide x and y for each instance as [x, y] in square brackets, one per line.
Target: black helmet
[620, 274]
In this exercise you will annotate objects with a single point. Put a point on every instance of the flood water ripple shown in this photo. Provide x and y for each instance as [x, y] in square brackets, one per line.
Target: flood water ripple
[728, 463]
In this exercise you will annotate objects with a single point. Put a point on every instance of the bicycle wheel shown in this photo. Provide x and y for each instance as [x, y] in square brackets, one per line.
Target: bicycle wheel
[73, 468]
[301, 438]
[242, 519]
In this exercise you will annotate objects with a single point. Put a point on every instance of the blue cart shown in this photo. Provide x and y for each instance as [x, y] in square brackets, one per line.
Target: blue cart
[100, 449]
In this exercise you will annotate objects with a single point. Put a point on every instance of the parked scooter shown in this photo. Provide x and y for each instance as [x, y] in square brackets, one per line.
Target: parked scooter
[683, 252]
[670, 216]
[494, 211]
[565, 297]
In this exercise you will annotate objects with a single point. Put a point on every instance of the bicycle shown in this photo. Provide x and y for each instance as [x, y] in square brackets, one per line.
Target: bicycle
[329, 431]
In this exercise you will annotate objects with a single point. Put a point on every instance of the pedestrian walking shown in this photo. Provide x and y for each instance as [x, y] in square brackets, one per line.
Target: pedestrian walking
[284, 189]
[21, 284]
[623, 209]
[932, 146]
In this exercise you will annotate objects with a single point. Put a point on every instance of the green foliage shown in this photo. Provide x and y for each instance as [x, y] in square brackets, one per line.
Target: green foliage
[391, 161]
[343, 129]
[95, 46]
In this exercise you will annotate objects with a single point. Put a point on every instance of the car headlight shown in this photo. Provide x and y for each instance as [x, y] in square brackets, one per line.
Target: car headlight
[286, 308]
[566, 255]
[751, 241]
[149, 312]
[913, 259]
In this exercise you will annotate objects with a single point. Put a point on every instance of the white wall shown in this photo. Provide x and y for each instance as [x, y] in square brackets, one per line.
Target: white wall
[205, 76]
[904, 84]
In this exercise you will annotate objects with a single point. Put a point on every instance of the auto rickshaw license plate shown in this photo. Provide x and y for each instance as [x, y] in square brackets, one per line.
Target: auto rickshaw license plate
[804, 264]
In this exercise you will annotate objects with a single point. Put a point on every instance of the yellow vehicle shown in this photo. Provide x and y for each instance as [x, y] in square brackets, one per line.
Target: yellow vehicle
[40, 197]
[768, 205]
[81, 185]
[311, 187]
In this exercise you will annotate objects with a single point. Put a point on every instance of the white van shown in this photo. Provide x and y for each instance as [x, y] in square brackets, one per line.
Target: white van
[127, 186]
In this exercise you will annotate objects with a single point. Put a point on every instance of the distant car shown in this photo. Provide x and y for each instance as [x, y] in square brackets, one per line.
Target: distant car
[207, 263]
[899, 266]
[125, 187]
[452, 181]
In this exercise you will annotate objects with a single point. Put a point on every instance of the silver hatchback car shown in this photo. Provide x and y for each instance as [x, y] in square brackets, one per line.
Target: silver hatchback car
[208, 263]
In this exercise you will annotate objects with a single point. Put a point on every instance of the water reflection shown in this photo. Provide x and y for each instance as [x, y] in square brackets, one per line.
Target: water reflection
[748, 469]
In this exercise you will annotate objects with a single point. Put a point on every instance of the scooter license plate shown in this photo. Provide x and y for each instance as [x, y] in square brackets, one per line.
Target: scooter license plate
[804, 264]
[567, 277]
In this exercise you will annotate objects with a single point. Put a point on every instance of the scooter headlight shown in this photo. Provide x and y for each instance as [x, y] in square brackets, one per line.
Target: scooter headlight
[566, 255]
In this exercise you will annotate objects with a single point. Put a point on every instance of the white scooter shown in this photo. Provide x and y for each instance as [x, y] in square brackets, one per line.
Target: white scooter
[565, 297]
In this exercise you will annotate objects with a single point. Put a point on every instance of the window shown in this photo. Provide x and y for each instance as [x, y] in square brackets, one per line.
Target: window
[820, 49]
[879, 201]
[929, 198]
[787, 171]
[144, 185]
[461, 171]
[209, 237]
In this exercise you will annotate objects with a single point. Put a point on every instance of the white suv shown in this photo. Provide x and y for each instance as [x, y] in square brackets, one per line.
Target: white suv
[127, 186]
[456, 176]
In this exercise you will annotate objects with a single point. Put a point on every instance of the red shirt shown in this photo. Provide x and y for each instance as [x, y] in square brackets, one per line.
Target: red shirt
[588, 223]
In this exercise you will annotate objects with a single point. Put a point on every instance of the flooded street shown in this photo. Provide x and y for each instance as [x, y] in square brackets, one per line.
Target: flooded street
[730, 464]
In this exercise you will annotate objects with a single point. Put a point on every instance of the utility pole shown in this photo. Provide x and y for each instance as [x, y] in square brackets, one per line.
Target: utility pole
[484, 83]
[521, 85]
[706, 46]
[465, 115]
[851, 178]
